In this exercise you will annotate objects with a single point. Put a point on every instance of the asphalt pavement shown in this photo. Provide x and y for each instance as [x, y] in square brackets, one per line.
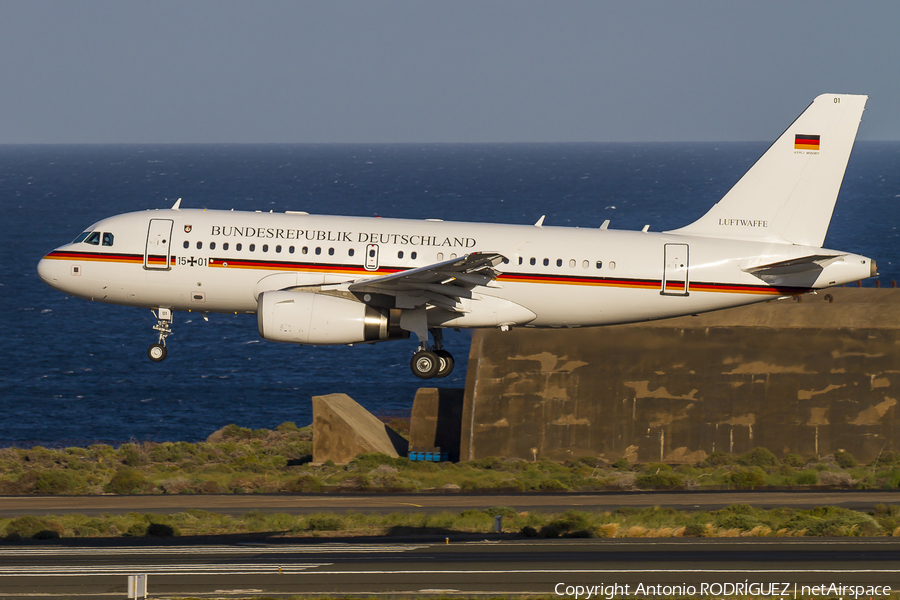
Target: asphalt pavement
[439, 565]
[667, 567]
[237, 504]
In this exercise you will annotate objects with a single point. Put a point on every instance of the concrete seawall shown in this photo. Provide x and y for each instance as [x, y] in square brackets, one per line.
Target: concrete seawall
[809, 377]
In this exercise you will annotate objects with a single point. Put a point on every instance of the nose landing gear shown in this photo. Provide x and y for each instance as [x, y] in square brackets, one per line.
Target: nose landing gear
[157, 352]
[432, 362]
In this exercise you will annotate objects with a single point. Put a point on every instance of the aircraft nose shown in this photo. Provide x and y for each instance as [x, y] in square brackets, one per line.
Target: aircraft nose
[48, 270]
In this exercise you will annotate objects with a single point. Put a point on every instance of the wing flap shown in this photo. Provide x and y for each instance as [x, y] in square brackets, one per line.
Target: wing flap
[441, 284]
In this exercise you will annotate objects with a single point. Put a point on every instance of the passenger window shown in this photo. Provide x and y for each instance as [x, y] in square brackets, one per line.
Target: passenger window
[612, 264]
[225, 246]
[586, 264]
[304, 250]
[350, 251]
[413, 255]
[546, 262]
[252, 247]
[277, 248]
[558, 262]
[187, 244]
[572, 263]
[93, 239]
[238, 247]
[199, 245]
[81, 237]
[318, 251]
[372, 253]
[212, 245]
[533, 261]
[331, 252]
[265, 247]
[291, 249]
[599, 264]
[521, 260]
[440, 256]
[107, 239]
[400, 254]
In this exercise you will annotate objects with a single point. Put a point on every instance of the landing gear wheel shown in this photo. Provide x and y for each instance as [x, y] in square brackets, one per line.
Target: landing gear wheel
[157, 352]
[447, 364]
[425, 364]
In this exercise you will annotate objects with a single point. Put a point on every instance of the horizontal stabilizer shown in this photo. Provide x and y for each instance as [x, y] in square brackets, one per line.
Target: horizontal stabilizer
[792, 271]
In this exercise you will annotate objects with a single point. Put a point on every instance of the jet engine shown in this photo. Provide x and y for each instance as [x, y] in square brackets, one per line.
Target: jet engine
[313, 318]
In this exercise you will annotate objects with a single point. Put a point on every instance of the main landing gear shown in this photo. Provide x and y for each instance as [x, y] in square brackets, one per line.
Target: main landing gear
[432, 362]
[157, 352]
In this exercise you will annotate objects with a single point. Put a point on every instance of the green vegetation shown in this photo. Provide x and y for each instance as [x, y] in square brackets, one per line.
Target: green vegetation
[737, 520]
[240, 461]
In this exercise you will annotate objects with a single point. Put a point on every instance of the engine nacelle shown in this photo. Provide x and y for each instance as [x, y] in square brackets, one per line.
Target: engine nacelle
[312, 318]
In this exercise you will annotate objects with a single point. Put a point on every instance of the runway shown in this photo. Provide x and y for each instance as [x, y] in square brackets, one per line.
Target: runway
[436, 568]
[237, 504]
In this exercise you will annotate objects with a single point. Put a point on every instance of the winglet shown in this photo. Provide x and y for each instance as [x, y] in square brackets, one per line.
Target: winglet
[177, 205]
[540, 222]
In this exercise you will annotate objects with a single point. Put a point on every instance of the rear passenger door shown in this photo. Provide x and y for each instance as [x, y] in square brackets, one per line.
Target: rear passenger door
[675, 271]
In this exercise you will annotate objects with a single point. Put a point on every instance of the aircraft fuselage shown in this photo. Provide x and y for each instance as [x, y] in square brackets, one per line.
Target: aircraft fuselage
[219, 261]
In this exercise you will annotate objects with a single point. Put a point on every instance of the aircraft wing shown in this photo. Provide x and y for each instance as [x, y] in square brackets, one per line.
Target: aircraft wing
[441, 284]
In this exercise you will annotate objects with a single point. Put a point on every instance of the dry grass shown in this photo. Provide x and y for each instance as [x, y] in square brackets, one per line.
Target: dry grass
[631, 523]
[238, 460]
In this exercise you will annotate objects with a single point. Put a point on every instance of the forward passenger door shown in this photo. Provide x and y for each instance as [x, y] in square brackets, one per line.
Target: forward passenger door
[159, 243]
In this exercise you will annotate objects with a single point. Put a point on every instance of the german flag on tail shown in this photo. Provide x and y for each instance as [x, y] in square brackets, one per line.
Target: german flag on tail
[806, 142]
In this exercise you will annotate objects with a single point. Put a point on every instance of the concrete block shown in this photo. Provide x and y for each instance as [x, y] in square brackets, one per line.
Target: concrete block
[809, 377]
[342, 429]
[437, 420]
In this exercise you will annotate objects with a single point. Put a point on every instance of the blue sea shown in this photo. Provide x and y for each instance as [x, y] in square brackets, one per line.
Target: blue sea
[73, 371]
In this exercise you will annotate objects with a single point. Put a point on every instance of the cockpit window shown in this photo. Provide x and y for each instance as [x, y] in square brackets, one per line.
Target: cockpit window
[81, 237]
[93, 238]
[107, 239]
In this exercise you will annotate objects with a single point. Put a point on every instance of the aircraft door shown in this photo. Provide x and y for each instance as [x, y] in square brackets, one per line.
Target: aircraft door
[675, 272]
[159, 243]
[372, 257]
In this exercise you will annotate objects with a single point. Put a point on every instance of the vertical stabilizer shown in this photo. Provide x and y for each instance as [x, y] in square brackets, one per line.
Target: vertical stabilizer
[788, 195]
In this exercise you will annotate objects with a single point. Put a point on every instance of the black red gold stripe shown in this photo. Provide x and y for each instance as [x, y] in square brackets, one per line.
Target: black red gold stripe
[577, 280]
[806, 142]
[652, 284]
[307, 267]
[97, 256]
[110, 257]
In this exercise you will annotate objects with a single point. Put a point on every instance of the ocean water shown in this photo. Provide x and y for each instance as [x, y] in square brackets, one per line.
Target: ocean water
[76, 371]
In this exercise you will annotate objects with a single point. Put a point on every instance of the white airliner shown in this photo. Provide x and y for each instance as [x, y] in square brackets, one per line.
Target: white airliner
[345, 280]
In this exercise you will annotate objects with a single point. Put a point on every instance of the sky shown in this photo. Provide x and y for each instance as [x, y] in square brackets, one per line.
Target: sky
[336, 71]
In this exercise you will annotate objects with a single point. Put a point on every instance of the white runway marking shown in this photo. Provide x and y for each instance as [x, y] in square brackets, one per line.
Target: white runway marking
[295, 569]
[599, 571]
[110, 570]
[142, 550]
